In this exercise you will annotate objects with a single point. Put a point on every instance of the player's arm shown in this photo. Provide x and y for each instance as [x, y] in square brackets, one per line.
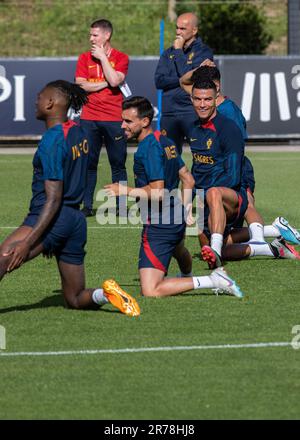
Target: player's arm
[187, 185]
[163, 79]
[186, 82]
[204, 56]
[153, 191]
[90, 86]
[54, 191]
[112, 76]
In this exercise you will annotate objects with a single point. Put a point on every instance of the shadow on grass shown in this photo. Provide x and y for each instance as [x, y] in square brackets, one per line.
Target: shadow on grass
[51, 301]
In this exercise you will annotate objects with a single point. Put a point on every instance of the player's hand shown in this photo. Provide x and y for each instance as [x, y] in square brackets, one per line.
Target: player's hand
[208, 62]
[178, 42]
[190, 220]
[19, 252]
[116, 189]
[98, 52]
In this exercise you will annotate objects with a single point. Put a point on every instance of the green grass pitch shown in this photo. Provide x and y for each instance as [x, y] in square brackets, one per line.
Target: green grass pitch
[224, 383]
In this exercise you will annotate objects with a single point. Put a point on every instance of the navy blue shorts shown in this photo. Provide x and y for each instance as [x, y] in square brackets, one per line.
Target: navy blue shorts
[66, 236]
[158, 245]
[240, 222]
[242, 208]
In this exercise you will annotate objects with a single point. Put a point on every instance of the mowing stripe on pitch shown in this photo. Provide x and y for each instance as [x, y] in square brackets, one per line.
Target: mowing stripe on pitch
[144, 349]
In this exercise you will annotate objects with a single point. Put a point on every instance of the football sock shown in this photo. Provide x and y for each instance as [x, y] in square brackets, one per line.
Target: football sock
[256, 231]
[99, 297]
[271, 231]
[260, 249]
[217, 242]
[203, 282]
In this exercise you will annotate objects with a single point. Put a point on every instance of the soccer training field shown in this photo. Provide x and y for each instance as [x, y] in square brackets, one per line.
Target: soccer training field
[194, 356]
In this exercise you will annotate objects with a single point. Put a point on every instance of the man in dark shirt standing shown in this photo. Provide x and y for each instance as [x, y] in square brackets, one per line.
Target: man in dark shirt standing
[187, 53]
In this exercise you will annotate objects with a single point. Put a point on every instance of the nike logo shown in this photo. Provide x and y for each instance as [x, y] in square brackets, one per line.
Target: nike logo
[117, 138]
[193, 139]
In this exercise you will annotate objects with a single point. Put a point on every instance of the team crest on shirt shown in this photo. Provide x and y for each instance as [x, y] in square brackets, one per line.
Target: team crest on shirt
[209, 143]
[164, 132]
[171, 152]
[112, 63]
[190, 58]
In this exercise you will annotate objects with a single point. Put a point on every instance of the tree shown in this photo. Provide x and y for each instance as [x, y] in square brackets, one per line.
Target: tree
[172, 10]
[232, 28]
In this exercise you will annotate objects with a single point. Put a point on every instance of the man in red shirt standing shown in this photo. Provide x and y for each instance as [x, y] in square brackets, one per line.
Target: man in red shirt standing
[100, 72]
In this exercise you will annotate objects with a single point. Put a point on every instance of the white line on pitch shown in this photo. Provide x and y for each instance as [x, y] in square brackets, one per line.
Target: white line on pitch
[144, 349]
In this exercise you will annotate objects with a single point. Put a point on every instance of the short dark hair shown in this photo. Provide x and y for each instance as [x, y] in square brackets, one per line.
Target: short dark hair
[103, 24]
[206, 73]
[74, 95]
[143, 106]
[204, 85]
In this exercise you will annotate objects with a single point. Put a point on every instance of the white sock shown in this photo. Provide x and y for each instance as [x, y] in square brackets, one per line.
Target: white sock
[99, 298]
[271, 231]
[203, 282]
[256, 231]
[217, 242]
[260, 249]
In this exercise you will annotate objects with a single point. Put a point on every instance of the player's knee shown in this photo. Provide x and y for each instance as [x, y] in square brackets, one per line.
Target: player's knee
[146, 291]
[72, 303]
[150, 291]
[213, 195]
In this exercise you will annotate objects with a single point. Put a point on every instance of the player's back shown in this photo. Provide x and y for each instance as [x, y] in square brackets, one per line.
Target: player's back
[172, 207]
[75, 164]
[62, 154]
[232, 111]
[172, 161]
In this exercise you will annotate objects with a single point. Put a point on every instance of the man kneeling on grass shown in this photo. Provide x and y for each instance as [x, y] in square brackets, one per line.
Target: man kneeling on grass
[55, 225]
[158, 169]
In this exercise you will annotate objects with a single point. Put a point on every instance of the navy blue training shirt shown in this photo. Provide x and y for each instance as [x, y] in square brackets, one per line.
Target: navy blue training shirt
[218, 152]
[232, 111]
[173, 64]
[155, 160]
[62, 154]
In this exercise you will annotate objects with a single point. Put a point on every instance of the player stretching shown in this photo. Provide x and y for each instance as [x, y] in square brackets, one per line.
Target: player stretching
[55, 225]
